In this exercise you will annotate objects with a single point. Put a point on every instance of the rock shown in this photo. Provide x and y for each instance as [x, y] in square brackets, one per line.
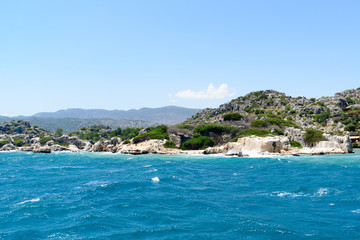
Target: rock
[252, 145]
[39, 149]
[58, 148]
[80, 144]
[8, 147]
[99, 146]
[73, 148]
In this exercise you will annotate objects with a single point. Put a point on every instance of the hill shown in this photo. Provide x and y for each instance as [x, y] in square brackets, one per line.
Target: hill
[71, 124]
[164, 115]
[334, 114]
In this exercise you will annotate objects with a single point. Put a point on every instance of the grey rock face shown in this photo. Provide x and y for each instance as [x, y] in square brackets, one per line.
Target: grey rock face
[72, 140]
[8, 147]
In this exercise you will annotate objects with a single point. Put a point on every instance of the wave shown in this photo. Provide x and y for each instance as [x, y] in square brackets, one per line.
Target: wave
[29, 201]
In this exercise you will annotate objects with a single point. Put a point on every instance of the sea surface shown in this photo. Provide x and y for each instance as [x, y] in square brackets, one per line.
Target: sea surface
[117, 196]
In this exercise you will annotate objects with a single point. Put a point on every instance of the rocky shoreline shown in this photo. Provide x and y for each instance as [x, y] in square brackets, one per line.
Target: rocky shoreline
[252, 145]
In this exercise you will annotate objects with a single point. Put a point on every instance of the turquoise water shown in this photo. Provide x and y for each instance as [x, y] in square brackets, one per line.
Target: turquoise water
[115, 196]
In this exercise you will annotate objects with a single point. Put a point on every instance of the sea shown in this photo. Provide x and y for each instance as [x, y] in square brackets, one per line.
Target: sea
[116, 196]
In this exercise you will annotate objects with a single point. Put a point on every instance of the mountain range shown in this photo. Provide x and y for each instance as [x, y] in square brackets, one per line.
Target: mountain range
[74, 118]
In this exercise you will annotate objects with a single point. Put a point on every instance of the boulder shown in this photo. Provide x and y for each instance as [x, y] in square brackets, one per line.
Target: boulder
[80, 144]
[8, 147]
[38, 149]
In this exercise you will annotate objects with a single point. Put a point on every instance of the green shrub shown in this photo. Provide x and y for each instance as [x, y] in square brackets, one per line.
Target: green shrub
[156, 133]
[197, 143]
[44, 140]
[292, 112]
[169, 144]
[295, 144]
[322, 117]
[232, 117]
[259, 123]
[258, 111]
[127, 141]
[185, 126]
[313, 136]
[2, 143]
[18, 142]
[351, 128]
[205, 129]
[356, 145]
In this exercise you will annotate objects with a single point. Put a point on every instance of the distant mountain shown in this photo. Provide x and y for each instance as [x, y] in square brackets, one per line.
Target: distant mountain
[164, 115]
[71, 124]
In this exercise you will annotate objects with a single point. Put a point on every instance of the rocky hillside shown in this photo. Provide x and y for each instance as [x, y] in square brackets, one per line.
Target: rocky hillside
[334, 114]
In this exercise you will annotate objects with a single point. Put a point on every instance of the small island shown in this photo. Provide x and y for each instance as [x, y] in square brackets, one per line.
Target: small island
[262, 122]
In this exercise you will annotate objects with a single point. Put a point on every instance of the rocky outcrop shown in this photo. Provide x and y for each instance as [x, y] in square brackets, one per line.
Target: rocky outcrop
[80, 144]
[253, 145]
[8, 147]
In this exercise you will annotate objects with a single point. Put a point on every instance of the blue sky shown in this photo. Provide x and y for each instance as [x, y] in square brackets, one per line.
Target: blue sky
[191, 53]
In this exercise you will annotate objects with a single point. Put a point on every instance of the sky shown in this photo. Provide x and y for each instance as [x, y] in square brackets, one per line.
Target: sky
[191, 53]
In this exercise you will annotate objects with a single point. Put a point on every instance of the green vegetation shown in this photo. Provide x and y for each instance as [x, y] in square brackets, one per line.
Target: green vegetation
[322, 117]
[205, 129]
[158, 132]
[59, 132]
[199, 142]
[2, 143]
[127, 141]
[18, 142]
[90, 136]
[313, 136]
[232, 117]
[259, 123]
[185, 126]
[295, 144]
[356, 145]
[351, 127]
[44, 140]
[169, 144]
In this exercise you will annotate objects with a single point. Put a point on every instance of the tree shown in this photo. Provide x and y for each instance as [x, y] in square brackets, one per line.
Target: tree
[59, 132]
[313, 136]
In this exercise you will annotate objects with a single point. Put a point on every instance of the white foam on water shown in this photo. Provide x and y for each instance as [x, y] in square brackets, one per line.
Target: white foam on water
[29, 201]
[322, 191]
[331, 204]
[356, 211]
[152, 170]
[155, 179]
[147, 166]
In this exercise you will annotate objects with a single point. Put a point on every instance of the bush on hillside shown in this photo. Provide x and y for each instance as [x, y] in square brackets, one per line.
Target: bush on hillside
[156, 133]
[205, 129]
[313, 136]
[197, 143]
[295, 144]
[232, 117]
[18, 142]
[2, 143]
[44, 140]
[169, 144]
[259, 123]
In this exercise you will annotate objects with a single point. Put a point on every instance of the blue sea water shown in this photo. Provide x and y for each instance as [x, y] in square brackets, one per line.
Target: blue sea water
[116, 196]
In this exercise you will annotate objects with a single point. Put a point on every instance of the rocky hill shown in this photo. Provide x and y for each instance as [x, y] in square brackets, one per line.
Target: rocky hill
[334, 114]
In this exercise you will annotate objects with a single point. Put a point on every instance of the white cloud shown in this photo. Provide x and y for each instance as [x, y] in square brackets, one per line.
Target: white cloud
[210, 93]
